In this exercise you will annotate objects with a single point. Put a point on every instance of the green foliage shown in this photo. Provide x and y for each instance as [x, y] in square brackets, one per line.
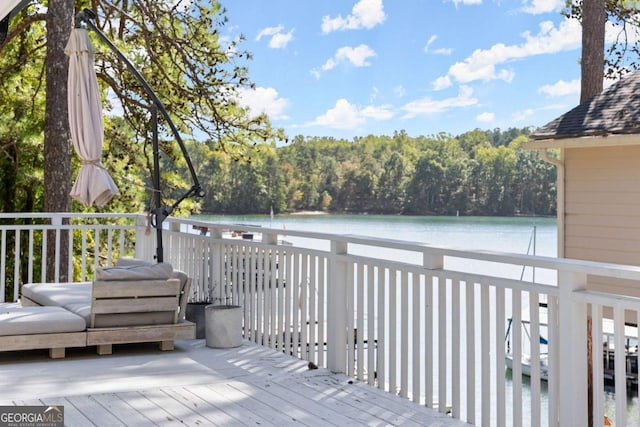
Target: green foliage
[479, 173]
[623, 55]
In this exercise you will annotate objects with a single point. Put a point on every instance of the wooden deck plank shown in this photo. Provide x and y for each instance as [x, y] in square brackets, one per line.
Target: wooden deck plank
[186, 415]
[389, 408]
[209, 400]
[196, 385]
[156, 414]
[301, 408]
[122, 410]
[93, 410]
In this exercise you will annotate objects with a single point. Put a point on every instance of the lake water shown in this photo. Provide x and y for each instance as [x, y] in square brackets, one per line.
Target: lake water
[513, 234]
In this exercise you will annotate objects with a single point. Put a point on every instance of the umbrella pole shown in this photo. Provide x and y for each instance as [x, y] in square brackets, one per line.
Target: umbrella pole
[157, 199]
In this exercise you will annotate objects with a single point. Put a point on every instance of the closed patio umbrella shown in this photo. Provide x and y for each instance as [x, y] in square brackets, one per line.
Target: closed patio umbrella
[93, 184]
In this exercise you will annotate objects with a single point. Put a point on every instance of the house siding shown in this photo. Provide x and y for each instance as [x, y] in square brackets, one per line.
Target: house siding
[602, 209]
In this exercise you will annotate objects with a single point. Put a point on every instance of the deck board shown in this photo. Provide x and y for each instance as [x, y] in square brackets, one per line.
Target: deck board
[196, 386]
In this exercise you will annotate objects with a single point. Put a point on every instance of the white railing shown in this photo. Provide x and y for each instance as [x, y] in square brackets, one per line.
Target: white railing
[424, 322]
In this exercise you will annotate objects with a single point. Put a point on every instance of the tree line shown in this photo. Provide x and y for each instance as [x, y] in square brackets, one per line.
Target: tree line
[481, 172]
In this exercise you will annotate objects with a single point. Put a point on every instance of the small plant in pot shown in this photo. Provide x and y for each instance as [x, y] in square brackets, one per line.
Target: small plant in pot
[201, 297]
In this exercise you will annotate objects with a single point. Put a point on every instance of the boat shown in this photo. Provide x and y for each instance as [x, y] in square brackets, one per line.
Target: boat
[526, 359]
[631, 353]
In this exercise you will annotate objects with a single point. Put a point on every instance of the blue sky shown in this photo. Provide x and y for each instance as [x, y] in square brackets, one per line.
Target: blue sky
[358, 67]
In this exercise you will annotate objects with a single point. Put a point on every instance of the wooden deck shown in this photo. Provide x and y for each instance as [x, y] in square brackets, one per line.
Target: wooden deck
[198, 386]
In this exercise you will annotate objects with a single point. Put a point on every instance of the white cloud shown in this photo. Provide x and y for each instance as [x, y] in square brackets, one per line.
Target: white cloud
[561, 88]
[347, 116]
[486, 117]
[524, 115]
[264, 100]
[442, 82]
[443, 51]
[439, 51]
[357, 56]
[466, 2]
[521, 116]
[536, 7]
[482, 64]
[278, 39]
[429, 106]
[431, 40]
[381, 112]
[364, 14]
[399, 91]
[343, 116]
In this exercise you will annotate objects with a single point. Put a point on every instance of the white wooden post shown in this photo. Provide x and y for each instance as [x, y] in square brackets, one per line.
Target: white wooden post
[56, 221]
[337, 309]
[145, 238]
[572, 348]
[216, 264]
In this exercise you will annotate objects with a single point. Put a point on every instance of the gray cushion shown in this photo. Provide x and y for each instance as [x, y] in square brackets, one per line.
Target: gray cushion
[58, 294]
[126, 262]
[81, 309]
[38, 320]
[160, 271]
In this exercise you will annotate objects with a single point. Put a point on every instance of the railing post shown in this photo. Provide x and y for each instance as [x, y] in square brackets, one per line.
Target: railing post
[144, 238]
[572, 348]
[337, 309]
[216, 265]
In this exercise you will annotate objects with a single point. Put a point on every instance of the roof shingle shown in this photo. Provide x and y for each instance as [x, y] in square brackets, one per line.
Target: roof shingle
[615, 111]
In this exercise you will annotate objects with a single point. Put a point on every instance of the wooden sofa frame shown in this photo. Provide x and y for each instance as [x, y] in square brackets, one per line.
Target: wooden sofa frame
[122, 312]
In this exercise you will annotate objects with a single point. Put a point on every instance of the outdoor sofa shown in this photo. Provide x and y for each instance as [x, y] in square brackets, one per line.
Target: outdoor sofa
[134, 302]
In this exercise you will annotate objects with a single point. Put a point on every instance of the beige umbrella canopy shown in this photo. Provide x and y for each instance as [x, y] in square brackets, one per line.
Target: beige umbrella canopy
[93, 184]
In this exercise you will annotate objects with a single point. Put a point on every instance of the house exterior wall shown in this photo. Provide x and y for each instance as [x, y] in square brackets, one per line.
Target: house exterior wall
[602, 209]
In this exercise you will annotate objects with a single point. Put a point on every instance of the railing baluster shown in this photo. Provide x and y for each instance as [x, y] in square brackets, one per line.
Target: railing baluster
[416, 335]
[404, 334]
[303, 307]
[371, 324]
[312, 311]
[393, 332]
[322, 310]
[597, 379]
[359, 332]
[351, 369]
[288, 315]
[383, 325]
[516, 329]
[428, 340]
[442, 343]
[470, 336]
[456, 334]
[3, 266]
[534, 309]
[501, 410]
[29, 264]
[16, 265]
[485, 313]
[620, 366]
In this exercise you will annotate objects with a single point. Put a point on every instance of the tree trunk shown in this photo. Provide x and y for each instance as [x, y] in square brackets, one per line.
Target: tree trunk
[57, 148]
[594, 18]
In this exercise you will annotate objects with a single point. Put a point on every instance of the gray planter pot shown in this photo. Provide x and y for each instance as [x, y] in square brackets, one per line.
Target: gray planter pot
[223, 326]
[195, 313]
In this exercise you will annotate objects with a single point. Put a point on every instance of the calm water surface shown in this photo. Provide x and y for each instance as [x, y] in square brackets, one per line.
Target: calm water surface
[487, 233]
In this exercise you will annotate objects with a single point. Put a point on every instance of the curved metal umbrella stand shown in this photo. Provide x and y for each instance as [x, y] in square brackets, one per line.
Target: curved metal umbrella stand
[159, 213]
